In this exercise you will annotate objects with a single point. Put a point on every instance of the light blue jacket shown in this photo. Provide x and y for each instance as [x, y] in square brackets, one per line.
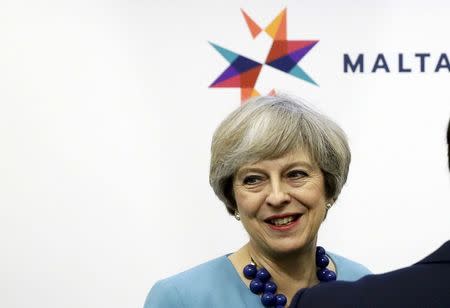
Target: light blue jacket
[216, 284]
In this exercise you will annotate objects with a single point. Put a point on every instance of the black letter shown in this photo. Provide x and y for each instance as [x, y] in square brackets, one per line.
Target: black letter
[380, 62]
[401, 69]
[422, 57]
[359, 62]
[442, 58]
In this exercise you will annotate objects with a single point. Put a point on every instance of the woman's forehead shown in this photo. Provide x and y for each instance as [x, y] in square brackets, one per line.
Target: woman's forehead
[295, 157]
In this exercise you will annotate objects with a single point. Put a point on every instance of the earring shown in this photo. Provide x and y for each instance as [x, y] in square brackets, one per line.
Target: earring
[327, 207]
[236, 215]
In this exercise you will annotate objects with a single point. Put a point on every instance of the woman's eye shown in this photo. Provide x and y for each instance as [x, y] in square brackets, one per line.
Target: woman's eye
[252, 180]
[296, 174]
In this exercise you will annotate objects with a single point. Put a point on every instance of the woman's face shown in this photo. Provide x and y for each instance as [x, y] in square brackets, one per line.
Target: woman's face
[281, 202]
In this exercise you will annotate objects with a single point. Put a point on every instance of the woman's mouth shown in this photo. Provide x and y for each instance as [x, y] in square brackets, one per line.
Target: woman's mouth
[282, 223]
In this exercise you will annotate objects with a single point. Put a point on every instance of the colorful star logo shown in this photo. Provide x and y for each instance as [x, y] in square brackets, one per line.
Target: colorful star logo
[284, 55]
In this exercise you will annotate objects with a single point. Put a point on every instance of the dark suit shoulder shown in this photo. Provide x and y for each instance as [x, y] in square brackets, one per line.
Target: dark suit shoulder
[420, 285]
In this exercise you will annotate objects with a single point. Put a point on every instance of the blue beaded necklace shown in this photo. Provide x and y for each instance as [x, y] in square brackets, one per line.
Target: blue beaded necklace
[261, 284]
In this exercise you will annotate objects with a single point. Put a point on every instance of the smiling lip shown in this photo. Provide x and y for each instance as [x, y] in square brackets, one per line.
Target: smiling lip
[283, 227]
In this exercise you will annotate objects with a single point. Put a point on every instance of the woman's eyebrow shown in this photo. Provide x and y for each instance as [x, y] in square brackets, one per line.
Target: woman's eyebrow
[299, 164]
[250, 169]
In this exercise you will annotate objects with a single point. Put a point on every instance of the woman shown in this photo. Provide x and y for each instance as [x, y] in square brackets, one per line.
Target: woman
[278, 167]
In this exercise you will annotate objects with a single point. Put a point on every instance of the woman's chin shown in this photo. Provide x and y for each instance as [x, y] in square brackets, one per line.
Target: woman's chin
[283, 247]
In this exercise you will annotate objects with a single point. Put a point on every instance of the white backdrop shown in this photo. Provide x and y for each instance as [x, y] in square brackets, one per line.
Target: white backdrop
[106, 120]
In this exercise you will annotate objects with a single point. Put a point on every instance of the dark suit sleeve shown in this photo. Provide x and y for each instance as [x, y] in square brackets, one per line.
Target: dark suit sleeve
[424, 284]
[332, 294]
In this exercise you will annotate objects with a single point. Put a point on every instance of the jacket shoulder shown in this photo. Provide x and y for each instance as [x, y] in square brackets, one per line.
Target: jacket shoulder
[183, 288]
[164, 294]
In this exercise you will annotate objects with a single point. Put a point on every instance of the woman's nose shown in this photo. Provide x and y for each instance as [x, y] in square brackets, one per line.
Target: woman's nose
[278, 196]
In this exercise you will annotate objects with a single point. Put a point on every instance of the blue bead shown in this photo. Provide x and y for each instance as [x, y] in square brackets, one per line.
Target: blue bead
[331, 276]
[256, 286]
[280, 300]
[321, 274]
[263, 275]
[320, 251]
[250, 271]
[322, 261]
[268, 299]
[279, 306]
[326, 275]
[270, 287]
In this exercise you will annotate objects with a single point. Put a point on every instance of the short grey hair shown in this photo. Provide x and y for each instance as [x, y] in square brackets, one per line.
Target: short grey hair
[269, 127]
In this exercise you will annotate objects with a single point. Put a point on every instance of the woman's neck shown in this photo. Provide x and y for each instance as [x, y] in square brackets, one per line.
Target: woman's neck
[290, 272]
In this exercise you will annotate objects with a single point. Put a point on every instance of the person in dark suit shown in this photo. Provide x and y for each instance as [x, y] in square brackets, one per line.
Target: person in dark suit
[424, 284]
